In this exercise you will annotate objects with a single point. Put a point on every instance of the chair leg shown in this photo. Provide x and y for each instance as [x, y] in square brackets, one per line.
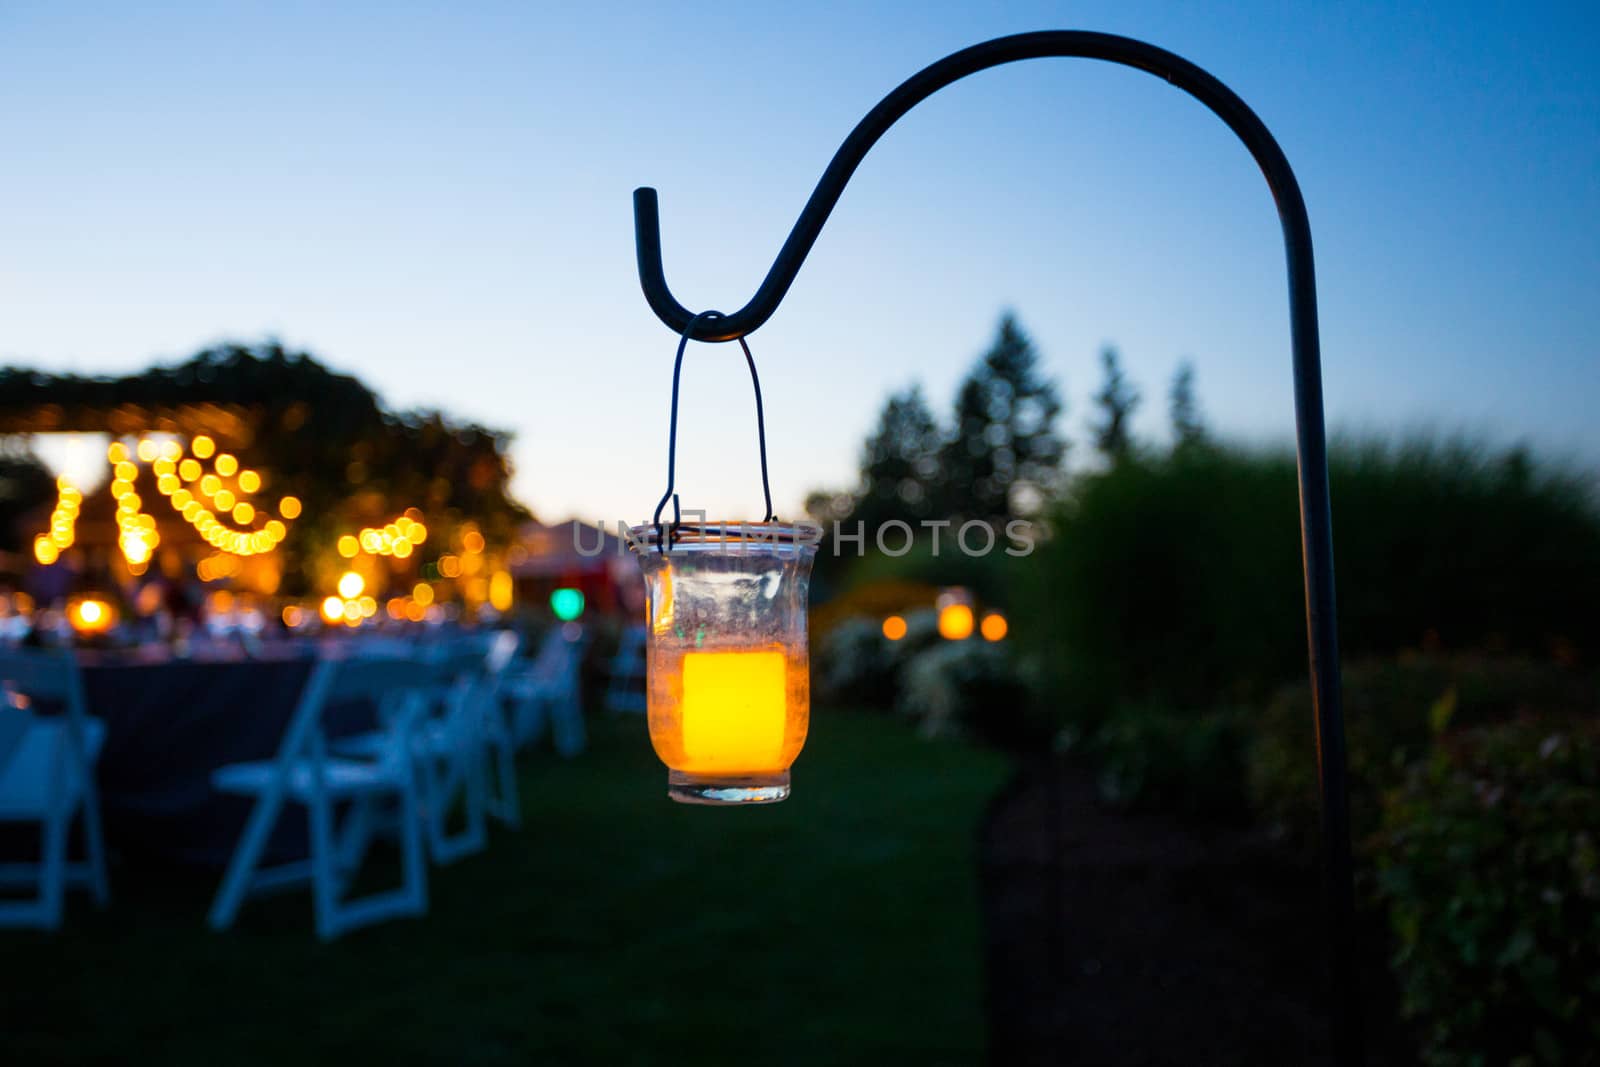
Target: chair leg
[413, 855]
[507, 804]
[95, 847]
[53, 868]
[324, 879]
[439, 786]
[354, 838]
[427, 807]
[236, 881]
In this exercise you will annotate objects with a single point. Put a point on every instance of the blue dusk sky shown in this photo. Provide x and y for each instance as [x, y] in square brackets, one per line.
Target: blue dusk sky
[437, 198]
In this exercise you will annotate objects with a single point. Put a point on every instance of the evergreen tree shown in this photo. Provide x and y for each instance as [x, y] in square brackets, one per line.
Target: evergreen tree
[899, 462]
[1003, 447]
[1188, 427]
[1116, 401]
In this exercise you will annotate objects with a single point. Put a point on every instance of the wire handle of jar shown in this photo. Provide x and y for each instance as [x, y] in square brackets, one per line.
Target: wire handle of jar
[664, 535]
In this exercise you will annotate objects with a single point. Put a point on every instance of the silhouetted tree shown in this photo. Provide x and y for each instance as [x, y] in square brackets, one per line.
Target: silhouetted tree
[25, 486]
[1116, 401]
[900, 462]
[1188, 427]
[313, 432]
[1003, 446]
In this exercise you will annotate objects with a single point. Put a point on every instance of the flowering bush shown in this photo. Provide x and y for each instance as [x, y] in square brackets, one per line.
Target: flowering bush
[969, 687]
[1488, 861]
[1393, 710]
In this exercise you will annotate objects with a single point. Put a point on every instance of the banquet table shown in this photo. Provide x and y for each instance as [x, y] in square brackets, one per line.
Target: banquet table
[169, 725]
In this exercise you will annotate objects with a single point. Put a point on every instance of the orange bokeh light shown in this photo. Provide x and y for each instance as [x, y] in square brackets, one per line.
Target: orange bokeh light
[955, 622]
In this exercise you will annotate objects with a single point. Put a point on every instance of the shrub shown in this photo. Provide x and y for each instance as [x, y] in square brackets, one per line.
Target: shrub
[1392, 711]
[1153, 757]
[1163, 581]
[965, 687]
[854, 663]
[1488, 861]
[1176, 580]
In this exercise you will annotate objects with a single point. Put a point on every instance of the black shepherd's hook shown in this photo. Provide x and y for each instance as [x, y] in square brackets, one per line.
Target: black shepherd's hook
[664, 536]
[1316, 525]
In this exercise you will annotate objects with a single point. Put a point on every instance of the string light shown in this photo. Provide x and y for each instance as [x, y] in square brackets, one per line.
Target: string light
[136, 530]
[173, 469]
[398, 538]
[47, 547]
[175, 474]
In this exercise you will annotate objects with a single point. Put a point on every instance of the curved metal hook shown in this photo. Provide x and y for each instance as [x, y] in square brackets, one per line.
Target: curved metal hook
[1316, 523]
[1049, 43]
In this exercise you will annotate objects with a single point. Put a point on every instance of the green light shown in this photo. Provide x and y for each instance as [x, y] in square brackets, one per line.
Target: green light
[567, 604]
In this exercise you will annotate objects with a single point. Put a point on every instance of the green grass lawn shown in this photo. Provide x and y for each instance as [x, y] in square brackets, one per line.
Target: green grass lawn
[616, 927]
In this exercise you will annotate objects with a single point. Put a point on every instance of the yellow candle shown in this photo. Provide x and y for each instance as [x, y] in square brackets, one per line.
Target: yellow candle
[733, 710]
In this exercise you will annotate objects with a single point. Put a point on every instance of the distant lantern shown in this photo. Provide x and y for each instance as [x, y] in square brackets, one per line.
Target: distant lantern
[993, 627]
[729, 688]
[894, 627]
[91, 615]
[566, 604]
[955, 622]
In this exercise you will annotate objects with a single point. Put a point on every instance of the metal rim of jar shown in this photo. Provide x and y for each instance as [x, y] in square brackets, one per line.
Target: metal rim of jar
[731, 533]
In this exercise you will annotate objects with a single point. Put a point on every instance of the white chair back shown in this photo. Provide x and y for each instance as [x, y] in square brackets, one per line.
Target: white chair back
[47, 776]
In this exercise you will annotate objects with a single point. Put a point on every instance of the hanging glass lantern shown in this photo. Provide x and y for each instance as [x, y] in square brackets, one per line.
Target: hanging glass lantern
[728, 671]
[729, 680]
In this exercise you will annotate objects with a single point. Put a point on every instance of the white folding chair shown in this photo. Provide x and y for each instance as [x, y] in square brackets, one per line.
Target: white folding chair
[459, 743]
[625, 687]
[304, 773]
[47, 776]
[501, 799]
[547, 694]
[448, 748]
[499, 743]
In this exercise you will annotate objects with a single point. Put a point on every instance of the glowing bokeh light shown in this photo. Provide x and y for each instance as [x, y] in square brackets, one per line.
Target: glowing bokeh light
[351, 584]
[955, 622]
[993, 627]
[566, 604]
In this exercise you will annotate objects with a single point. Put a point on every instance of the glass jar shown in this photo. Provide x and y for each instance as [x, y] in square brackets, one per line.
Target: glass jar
[729, 679]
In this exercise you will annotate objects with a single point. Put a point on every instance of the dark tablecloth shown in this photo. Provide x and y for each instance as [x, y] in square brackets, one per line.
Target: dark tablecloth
[168, 726]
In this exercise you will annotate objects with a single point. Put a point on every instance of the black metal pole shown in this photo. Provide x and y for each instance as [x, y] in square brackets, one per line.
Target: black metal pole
[1316, 524]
